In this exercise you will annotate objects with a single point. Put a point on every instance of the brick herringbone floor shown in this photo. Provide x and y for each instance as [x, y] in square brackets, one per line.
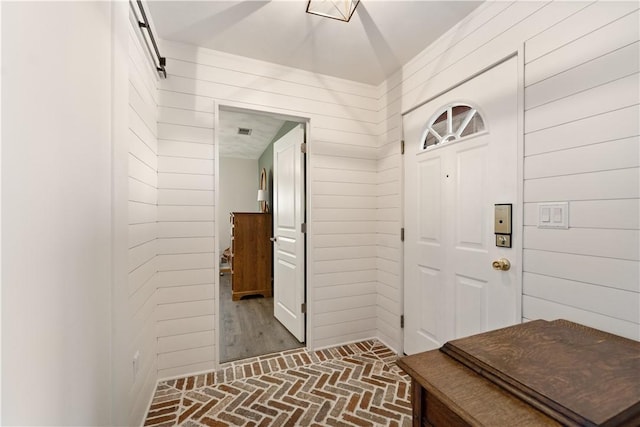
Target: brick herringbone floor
[352, 385]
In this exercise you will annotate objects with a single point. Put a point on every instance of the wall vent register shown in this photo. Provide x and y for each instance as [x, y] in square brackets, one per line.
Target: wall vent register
[450, 123]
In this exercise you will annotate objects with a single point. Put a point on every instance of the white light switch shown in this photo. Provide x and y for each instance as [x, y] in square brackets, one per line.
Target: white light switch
[545, 215]
[553, 215]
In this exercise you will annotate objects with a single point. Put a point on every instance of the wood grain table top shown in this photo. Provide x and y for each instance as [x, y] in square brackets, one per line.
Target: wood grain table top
[577, 375]
[476, 400]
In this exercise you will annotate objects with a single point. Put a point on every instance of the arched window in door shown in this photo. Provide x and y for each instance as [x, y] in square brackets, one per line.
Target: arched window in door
[450, 123]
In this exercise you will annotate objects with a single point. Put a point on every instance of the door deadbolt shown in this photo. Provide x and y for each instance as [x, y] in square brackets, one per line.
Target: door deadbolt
[502, 264]
[502, 227]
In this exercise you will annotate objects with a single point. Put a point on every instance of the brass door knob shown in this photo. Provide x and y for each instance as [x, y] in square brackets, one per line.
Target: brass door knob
[502, 264]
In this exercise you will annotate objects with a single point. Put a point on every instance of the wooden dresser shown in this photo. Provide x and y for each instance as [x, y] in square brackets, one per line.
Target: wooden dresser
[535, 374]
[251, 254]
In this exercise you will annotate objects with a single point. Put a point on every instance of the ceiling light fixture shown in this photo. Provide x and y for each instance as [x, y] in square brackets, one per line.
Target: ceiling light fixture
[334, 9]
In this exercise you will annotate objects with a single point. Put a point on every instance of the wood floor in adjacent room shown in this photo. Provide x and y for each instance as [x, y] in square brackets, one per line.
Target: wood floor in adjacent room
[248, 328]
[352, 385]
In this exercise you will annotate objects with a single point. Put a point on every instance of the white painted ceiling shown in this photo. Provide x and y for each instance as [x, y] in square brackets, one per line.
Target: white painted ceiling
[381, 36]
[263, 129]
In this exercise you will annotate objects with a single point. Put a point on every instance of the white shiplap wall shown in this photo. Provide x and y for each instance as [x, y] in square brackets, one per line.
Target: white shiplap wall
[142, 216]
[342, 252]
[186, 234]
[581, 146]
[389, 214]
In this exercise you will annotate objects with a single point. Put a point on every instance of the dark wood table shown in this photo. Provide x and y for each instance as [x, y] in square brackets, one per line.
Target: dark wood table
[447, 393]
[533, 374]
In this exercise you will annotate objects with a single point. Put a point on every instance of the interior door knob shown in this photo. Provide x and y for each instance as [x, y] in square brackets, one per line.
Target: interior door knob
[273, 239]
[502, 264]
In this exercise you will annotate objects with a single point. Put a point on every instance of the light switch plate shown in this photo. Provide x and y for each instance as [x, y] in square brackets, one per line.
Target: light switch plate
[553, 215]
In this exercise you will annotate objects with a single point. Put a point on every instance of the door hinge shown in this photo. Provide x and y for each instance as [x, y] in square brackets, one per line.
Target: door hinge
[303, 147]
[402, 146]
[402, 234]
[303, 227]
[402, 321]
[303, 308]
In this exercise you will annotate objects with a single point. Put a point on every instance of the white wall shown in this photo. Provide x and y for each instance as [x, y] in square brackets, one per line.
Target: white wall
[186, 260]
[582, 127]
[56, 196]
[581, 146]
[342, 161]
[142, 239]
[81, 160]
[239, 182]
[0, 214]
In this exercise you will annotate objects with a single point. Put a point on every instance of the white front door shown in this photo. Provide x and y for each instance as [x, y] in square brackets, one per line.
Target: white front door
[288, 217]
[450, 189]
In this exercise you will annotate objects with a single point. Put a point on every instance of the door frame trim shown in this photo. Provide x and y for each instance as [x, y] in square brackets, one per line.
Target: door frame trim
[262, 110]
[519, 211]
[518, 232]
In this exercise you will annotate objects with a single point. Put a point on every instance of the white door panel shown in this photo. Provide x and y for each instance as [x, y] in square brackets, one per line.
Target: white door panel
[288, 216]
[471, 221]
[450, 287]
[429, 326]
[286, 274]
[471, 304]
[285, 194]
[429, 201]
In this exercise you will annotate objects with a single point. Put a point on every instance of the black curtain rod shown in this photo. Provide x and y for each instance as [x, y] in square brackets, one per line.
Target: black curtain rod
[144, 24]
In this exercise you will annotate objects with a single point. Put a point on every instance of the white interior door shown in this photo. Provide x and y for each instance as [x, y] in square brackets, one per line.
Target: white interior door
[288, 217]
[450, 287]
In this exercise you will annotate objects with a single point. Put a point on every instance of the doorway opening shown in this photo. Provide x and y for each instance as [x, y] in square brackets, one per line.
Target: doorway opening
[255, 284]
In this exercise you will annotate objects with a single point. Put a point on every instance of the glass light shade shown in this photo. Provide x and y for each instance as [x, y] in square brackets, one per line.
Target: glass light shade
[262, 195]
[335, 9]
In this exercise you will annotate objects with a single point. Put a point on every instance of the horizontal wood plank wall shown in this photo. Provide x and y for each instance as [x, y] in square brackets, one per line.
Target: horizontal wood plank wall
[143, 194]
[342, 158]
[581, 79]
[389, 216]
[581, 146]
[186, 255]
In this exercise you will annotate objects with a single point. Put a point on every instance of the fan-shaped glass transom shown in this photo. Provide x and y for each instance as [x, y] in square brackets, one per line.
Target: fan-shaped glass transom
[450, 123]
